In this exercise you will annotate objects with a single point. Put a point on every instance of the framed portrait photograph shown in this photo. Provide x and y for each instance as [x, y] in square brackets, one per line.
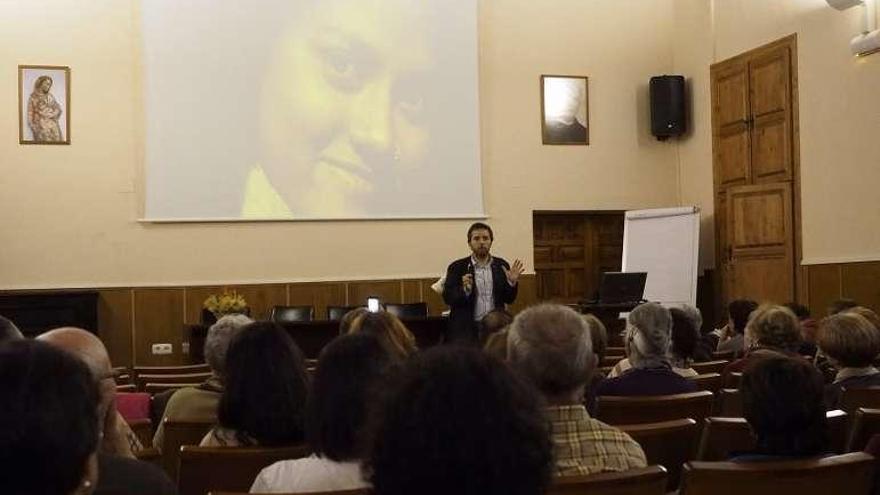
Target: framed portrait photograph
[43, 104]
[565, 110]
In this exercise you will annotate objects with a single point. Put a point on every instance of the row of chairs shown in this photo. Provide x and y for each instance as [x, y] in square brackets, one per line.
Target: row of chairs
[852, 474]
[335, 313]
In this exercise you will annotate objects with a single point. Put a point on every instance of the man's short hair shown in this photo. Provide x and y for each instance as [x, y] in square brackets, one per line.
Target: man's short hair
[219, 336]
[8, 330]
[850, 339]
[598, 335]
[480, 226]
[550, 345]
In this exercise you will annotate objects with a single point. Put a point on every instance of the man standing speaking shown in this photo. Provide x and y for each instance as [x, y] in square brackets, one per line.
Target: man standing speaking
[477, 284]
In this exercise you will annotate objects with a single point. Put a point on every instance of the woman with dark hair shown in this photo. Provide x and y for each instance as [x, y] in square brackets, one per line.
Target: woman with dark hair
[264, 397]
[733, 335]
[782, 401]
[459, 421]
[350, 372]
[48, 421]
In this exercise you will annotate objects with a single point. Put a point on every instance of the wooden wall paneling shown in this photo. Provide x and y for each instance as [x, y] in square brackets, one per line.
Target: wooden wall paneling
[412, 291]
[527, 295]
[436, 305]
[261, 298]
[114, 324]
[385, 290]
[823, 286]
[195, 297]
[318, 294]
[861, 282]
[158, 318]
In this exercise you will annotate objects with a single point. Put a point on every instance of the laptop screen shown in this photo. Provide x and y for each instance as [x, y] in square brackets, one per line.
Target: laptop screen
[622, 287]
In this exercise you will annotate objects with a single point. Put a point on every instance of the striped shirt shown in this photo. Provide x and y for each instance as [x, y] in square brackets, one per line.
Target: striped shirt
[483, 282]
[583, 445]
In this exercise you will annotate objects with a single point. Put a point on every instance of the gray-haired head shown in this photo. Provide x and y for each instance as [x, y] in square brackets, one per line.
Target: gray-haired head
[693, 314]
[648, 335]
[550, 346]
[8, 330]
[219, 336]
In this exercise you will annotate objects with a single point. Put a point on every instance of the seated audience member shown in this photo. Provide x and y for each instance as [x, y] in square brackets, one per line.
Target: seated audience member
[550, 346]
[348, 318]
[120, 473]
[8, 330]
[782, 401]
[647, 343]
[842, 304]
[808, 329]
[350, 374]
[200, 403]
[496, 345]
[264, 391]
[867, 314]
[48, 421]
[771, 329]
[459, 422]
[684, 338]
[851, 344]
[733, 335]
[388, 328]
[599, 341]
[116, 436]
[493, 322]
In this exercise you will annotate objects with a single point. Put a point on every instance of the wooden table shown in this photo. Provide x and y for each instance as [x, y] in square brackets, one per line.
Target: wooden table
[312, 336]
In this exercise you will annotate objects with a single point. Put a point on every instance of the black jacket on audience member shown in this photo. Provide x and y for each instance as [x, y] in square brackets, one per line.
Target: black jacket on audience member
[461, 317]
[123, 476]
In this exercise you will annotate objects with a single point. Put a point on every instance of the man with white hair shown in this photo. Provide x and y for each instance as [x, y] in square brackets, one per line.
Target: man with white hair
[550, 346]
[200, 403]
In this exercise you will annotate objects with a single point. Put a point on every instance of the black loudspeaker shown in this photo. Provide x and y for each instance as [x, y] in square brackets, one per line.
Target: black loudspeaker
[667, 107]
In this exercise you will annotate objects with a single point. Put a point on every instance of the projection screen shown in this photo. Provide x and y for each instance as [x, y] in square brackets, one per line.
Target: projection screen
[310, 109]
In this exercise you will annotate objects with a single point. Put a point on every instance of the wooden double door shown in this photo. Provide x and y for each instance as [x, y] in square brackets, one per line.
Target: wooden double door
[755, 163]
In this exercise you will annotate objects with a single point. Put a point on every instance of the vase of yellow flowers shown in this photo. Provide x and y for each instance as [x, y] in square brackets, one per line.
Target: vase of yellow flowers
[218, 305]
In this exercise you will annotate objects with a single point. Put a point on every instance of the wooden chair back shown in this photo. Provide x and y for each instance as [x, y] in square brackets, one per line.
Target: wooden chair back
[708, 381]
[729, 403]
[650, 480]
[733, 379]
[359, 491]
[189, 378]
[854, 398]
[611, 360]
[205, 469]
[178, 434]
[128, 388]
[156, 388]
[716, 366]
[724, 437]
[865, 425]
[172, 370]
[143, 429]
[725, 355]
[653, 409]
[851, 474]
[615, 351]
[669, 444]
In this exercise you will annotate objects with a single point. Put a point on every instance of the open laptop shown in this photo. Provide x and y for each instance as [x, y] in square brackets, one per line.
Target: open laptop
[622, 287]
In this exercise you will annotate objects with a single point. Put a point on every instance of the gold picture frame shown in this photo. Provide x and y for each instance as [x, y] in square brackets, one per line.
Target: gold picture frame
[43, 104]
[565, 110]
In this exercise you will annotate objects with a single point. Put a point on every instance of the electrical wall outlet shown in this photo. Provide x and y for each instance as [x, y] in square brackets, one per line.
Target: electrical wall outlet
[184, 348]
[162, 349]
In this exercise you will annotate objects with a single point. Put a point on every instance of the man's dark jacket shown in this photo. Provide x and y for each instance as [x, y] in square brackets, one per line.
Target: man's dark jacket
[461, 318]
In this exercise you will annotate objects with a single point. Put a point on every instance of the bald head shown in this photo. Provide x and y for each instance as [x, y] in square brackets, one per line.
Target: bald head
[8, 330]
[83, 344]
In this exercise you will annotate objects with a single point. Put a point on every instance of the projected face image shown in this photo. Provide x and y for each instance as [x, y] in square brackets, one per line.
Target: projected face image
[342, 112]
